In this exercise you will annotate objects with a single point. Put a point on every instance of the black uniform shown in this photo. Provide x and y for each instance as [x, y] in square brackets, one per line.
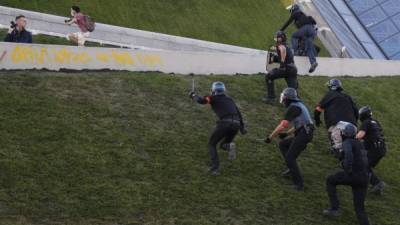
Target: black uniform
[374, 143]
[299, 19]
[298, 114]
[355, 174]
[337, 107]
[229, 123]
[287, 70]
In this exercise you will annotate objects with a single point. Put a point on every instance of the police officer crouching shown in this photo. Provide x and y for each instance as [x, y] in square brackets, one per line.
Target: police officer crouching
[229, 124]
[374, 141]
[303, 128]
[286, 70]
[355, 166]
[337, 107]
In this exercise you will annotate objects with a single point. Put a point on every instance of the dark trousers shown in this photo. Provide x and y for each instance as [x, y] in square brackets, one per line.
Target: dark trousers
[291, 149]
[359, 185]
[308, 34]
[225, 131]
[289, 74]
[374, 156]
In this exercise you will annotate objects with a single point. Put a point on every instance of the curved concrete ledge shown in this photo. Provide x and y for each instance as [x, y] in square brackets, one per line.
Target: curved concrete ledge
[54, 57]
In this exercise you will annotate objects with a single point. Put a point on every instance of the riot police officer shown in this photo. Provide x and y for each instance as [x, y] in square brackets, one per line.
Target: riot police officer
[306, 31]
[337, 106]
[374, 141]
[291, 147]
[229, 124]
[355, 174]
[286, 70]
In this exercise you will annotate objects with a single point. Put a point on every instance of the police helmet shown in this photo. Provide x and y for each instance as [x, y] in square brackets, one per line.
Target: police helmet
[295, 8]
[218, 88]
[289, 94]
[334, 85]
[280, 34]
[365, 113]
[348, 129]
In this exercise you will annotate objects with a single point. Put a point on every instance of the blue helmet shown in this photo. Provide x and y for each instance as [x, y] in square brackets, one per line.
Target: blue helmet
[218, 88]
[347, 129]
[289, 94]
[334, 85]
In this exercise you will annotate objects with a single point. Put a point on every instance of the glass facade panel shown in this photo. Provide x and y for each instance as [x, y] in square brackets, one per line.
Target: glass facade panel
[392, 45]
[360, 6]
[391, 7]
[372, 16]
[381, 18]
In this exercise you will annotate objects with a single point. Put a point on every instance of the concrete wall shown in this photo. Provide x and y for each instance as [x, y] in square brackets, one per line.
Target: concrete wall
[54, 25]
[54, 57]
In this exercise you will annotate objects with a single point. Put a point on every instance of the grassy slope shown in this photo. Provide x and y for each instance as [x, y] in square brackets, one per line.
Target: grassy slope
[130, 148]
[248, 23]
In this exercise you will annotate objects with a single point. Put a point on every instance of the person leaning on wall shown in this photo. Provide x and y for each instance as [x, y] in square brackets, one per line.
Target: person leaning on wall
[17, 32]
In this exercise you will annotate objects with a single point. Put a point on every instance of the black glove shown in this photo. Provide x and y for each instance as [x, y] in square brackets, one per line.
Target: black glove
[318, 123]
[243, 130]
[317, 118]
[268, 140]
[192, 94]
[283, 135]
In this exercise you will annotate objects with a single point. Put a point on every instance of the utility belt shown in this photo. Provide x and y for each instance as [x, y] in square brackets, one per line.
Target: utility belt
[308, 129]
[230, 119]
[379, 145]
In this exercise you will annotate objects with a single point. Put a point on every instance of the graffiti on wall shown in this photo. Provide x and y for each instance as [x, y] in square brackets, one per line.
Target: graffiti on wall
[67, 56]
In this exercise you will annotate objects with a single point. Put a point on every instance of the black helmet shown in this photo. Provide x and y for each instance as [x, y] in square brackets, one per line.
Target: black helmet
[365, 113]
[289, 94]
[282, 35]
[334, 85]
[347, 129]
[295, 8]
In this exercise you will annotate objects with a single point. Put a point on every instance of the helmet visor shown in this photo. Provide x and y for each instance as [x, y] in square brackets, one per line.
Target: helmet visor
[282, 98]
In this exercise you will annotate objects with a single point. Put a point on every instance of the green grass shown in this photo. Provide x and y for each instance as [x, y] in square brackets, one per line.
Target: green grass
[131, 148]
[249, 23]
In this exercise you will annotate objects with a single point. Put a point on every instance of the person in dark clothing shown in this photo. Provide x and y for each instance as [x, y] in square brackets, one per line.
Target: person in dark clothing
[286, 70]
[374, 141]
[355, 166]
[303, 128]
[306, 31]
[337, 106]
[17, 32]
[229, 124]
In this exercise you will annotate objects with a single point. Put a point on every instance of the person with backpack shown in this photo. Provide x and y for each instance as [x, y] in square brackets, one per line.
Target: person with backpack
[337, 107]
[306, 31]
[374, 141]
[85, 24]
[298, 115]
[354, 174]
[287, 68]
[229, 123]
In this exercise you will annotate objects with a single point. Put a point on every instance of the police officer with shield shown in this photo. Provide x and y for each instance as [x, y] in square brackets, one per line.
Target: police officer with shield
[229, 124]
[287, 69]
